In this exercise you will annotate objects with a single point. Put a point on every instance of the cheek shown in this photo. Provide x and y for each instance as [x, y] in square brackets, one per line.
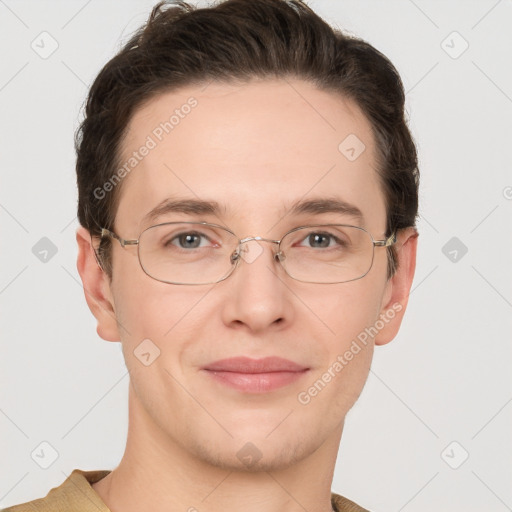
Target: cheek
[346, 350]
[141, 303]
[159, 318]
[347, 309]
[144, 308]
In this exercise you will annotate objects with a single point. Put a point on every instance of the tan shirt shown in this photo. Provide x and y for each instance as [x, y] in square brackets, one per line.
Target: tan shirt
[76, 494]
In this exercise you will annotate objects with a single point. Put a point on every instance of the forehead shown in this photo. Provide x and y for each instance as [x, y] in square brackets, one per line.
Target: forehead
[254, 149]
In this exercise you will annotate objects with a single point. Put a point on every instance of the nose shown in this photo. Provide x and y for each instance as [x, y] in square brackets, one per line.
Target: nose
[257, 298]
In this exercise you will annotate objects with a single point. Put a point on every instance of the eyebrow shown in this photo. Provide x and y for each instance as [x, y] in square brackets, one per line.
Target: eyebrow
[315, 206]
[186, 206]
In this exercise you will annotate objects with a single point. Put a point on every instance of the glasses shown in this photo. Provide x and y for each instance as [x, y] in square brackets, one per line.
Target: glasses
[194, 253]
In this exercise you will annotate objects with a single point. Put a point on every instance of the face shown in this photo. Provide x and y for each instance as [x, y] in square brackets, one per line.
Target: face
[255, 149]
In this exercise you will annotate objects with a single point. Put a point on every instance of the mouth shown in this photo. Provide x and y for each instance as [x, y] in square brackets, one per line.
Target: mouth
[255, 375]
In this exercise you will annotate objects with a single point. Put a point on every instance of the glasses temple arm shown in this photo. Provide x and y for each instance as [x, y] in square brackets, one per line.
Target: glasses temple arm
[390, 240]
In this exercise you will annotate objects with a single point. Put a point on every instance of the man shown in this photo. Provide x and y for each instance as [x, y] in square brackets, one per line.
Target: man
[248, 190]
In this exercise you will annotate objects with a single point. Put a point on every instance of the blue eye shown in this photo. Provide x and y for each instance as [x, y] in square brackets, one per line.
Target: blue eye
[189, 240]
[323, 240]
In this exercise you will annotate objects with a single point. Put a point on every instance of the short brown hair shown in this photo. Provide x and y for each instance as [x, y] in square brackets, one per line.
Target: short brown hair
[240, 40]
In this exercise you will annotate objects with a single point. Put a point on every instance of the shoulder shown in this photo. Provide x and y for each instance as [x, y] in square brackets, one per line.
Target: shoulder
[341, 504]
[74, 493]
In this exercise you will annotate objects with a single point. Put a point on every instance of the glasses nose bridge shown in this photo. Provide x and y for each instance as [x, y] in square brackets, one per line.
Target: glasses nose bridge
[278, 255]
[259, 239]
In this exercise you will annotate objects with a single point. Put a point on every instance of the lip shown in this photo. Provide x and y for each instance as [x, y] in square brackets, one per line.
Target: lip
[255, 375]
[248, 365]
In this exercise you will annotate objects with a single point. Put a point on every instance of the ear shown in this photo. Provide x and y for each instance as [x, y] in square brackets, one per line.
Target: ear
[396, 295]
[97, 287]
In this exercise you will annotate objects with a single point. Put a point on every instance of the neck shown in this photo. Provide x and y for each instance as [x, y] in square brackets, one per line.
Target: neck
[158, 473]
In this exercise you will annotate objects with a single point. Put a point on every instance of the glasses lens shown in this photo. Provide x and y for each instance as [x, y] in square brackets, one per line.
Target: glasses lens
[187, 253]
[327, 254]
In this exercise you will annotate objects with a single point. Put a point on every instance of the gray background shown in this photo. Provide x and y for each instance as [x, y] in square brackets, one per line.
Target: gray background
[439, 392]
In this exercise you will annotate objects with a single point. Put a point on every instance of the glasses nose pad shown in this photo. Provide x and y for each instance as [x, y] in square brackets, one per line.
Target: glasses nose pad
[235, 256]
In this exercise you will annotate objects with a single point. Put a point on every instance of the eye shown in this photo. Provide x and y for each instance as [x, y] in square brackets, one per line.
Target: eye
[322, 240]
[190, 240]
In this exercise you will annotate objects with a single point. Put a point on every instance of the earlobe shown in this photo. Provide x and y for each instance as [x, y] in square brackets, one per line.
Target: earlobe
[398, 287]
[96, 287]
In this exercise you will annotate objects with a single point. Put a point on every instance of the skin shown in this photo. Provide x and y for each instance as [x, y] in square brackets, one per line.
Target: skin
[238, 147]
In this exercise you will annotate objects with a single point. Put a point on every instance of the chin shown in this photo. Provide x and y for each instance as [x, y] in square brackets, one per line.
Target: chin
[255, 450]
